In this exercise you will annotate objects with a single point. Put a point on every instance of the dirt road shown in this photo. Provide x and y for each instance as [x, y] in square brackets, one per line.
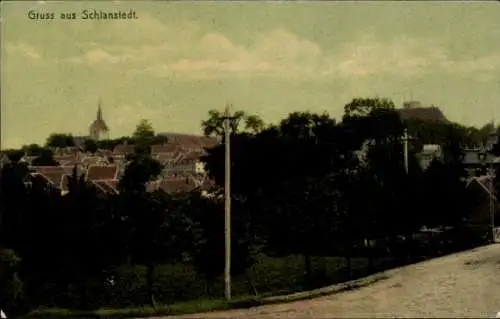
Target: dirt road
[461, 285]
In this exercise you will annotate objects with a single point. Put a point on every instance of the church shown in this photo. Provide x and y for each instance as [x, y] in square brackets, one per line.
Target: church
[98, 130]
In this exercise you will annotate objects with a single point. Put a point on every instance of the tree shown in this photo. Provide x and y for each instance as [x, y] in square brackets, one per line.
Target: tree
[267, 178]
[446, 198]
[45, 158]
[139, 170]
[160, 233]
[144, 137]
[90, 146]
[112, 143]
[214, 125]
[207, 251]
[364, 106]
[144, 130]
[10, 284]
[60, 140]
[14, 155]
[254, 124]
[33, 150]
[382, 188]
[145, 216]
[83, 227]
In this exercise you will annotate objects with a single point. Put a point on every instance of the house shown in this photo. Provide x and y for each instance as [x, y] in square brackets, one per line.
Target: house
[104, 178]
[476, 161]
[428, 154]
[57, 176]
[483, 190]
[415, 110]
[167, 148]
[187, 163]
[4, 159]
[67, 160]
[190, 142]
[52, 174]
[102, 172]
[28, 159]
[185, 183]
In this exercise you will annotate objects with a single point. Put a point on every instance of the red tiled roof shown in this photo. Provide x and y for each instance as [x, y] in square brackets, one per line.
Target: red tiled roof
[165, 157]
[68, 169]
[66, 159]
[104, 152]
[152, 186]
[53, 178]
[92, 160]
[98, 172]
[52, 173]
[208, 183]
[47, 169]
[40, 176]
[190, 141]
[185, 183]
[165, 148]
[124, 149]
[177, 185]
[195, 155]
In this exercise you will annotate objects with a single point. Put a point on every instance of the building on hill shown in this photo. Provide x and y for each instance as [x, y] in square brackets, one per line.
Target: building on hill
[98, 130]
[189, 141]
[415, 110]
[477, 160]
[429, 153]
[483, 189]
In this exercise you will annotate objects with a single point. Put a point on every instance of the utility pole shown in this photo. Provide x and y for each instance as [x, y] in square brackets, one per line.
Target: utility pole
[227, 189]
[405, 149]
[492, 201]
[492, 140]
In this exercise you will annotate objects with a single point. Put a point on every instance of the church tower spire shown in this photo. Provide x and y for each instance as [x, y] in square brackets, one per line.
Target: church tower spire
[98, 129]
[99, 111]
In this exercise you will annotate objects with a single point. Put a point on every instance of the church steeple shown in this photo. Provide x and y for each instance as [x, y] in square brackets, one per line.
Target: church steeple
[99, 111]
[98, 129]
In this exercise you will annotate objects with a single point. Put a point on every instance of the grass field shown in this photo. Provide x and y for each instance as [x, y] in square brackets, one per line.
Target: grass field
[179, 290]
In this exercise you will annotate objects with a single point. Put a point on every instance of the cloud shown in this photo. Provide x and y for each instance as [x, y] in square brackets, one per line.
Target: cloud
[187, 51]
[99, 56]
[484, 64]
[27, 51]
[368, 56]
[281, 45]
[278, 53]
[404, 57]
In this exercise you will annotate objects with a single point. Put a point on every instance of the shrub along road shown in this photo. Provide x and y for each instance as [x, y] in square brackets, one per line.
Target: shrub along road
[466, 284]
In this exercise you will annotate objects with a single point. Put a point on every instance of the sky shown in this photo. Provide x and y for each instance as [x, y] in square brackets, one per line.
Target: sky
[178, 60]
